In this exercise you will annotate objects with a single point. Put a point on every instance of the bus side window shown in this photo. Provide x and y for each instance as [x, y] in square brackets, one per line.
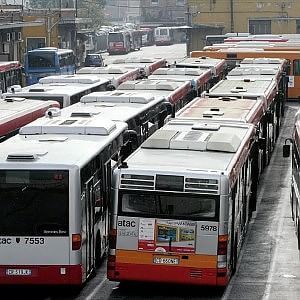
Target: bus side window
[296, 67]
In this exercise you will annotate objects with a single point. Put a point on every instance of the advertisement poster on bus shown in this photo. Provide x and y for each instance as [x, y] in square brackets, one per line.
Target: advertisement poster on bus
[167, 235]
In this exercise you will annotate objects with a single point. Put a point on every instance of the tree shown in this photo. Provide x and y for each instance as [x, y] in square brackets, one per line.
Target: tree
[92, 9]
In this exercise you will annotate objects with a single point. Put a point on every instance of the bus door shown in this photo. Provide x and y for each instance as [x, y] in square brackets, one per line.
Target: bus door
[88, 224]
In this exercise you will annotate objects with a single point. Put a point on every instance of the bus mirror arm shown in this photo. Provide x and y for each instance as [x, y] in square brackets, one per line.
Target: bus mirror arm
[287, 147]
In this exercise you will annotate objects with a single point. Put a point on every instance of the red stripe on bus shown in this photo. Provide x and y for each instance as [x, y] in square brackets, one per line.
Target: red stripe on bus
[169, 274]
[42, 275]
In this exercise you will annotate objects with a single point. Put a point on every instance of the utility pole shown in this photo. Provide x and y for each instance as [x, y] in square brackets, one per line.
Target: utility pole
[231, 16]
[188, 30]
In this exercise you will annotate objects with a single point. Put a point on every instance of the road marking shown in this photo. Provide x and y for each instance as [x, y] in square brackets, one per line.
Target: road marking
[96, 290]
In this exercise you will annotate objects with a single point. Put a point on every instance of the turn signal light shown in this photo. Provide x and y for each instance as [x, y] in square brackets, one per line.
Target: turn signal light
[76, 241]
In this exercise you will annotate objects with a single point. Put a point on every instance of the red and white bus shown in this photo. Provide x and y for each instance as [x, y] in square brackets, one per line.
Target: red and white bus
[115, 74]
[180, 205]
[54, 200]
[10, 74]
[295, 181]
[176, 92]
[265, 90]
[201, 79]
[146, 65]
[16, 112]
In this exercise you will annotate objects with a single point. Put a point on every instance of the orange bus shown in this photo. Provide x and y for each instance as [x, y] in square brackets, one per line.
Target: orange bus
[234, 56]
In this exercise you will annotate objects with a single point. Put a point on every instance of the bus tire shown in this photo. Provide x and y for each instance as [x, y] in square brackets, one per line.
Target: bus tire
[234, 259]
[98, 256]
[298, 233]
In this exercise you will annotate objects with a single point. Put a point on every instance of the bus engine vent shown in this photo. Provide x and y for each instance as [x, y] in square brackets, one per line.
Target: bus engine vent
[137, 182]
[23, 157]
[201, 186]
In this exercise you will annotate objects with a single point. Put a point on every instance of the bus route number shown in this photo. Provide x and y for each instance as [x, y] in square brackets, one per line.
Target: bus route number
[209, 228]
[35, 241]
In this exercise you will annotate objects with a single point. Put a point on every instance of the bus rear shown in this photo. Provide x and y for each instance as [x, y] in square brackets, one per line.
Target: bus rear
[48, 61]
[172, 217]
[35, 216]
[118, 42]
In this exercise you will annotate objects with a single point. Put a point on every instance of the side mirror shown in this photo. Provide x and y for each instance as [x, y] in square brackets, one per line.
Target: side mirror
[286, 150]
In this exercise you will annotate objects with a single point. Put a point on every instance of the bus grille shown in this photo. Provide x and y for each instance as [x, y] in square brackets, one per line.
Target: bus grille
[139, 182]
[196, 273]
[201, 186]
[191, 185]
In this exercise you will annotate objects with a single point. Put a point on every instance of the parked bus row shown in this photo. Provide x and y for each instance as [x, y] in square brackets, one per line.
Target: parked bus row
[237, 48]
[68, 157]
[182, 202]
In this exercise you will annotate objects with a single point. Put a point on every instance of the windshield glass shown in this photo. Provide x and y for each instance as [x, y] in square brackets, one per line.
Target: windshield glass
[34, 203]
[115, 37]
[41, 60]
[169, 205]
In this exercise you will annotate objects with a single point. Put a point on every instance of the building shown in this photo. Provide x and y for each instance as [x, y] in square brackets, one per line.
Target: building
[254, 16]
[120, 11]
[168, 12]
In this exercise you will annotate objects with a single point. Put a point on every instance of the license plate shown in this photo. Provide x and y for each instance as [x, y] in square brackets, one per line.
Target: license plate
[166, 260]
[18, 272]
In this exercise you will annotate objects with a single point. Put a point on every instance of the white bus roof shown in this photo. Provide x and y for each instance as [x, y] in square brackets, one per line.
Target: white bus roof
[117, 105]
[14, 108]
[253, 73]
[138, 60]
[54, 89]
[150, 84]
[50, 143]
[148, 65]
[223, 109]
[214, 64]
[196, 76]
[114, 70]
[262, 61]
[188, 148]
[251, 89]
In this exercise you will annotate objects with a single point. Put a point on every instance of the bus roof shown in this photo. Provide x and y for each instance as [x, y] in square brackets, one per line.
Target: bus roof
[16, 112]
[59, 85]
[115, 70]
[203, 148]
[51, 49]
[9, 65]
[251, 89]
[50, 142]
[119, 106]
[223, 109]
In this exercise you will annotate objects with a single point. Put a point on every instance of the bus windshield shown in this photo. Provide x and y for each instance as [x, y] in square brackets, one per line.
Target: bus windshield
[169, 205]
[115, 37]
[34, 203]
[41, 60]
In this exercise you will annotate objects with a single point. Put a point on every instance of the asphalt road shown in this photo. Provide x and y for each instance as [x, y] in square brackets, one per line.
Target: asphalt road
[268, 266]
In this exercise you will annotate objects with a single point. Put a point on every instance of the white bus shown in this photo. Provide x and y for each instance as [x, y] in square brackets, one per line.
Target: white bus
[283, 70]
[143, 112]
[177, 93]
[116, 75]
[65, 89]
[266, 90]
[295, 181]
[258, 72]
[164, 36]
[217, 66]
[201, 79]
[233, 110]
[54, 192]
[146, 65]
[17, 112]
[181, 205]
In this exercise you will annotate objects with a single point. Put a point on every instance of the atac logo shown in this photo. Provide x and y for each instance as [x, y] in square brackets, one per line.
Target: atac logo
[126, 223]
